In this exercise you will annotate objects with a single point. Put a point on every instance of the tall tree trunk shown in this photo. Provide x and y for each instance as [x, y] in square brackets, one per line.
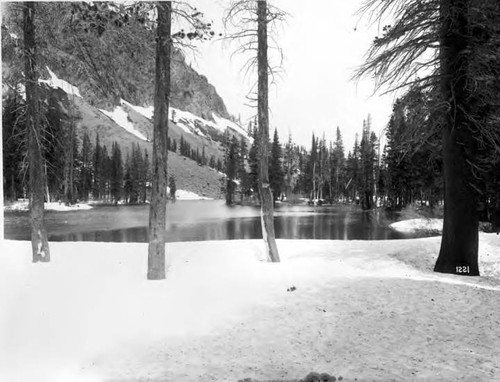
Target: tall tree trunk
[266, 197]
[39, 243]
[459, 244]
[69, 163]
[158, 206]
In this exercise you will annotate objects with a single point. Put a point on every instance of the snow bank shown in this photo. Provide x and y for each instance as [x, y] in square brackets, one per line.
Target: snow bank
[224, 315]
[53, 206]
[418, 225]
[120, 116]
[187, 195]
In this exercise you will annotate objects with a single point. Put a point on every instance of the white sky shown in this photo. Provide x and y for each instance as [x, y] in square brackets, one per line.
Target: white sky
[322, 43]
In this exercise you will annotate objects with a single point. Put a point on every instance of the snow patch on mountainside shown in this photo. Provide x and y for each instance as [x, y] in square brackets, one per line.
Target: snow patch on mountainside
[187, 121]
[55, 82]
[190, 123]
[223, 123]
[120, 116]
[145, 111]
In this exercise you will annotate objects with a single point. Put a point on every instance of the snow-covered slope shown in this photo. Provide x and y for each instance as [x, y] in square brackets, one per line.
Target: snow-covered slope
[120, 116]
[188, 122]
[192, 124]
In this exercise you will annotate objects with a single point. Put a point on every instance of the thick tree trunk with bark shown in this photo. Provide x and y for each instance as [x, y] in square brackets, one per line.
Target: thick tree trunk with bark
[39, 243]
[266, 196]
[459, 244]
[158, 206]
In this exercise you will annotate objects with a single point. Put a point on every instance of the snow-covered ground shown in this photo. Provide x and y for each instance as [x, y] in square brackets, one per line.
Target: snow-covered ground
[370, 310]
[187, 195]
[411, 225]
[23, 205]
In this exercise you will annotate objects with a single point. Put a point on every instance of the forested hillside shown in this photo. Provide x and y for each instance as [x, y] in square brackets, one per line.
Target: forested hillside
[97, 90]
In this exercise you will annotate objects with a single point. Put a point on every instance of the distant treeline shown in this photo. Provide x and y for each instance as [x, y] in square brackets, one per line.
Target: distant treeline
[408, 169]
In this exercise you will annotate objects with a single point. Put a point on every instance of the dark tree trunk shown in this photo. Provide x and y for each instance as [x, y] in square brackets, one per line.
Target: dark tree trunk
[158, 206]
[266, 197]
[459, 244]
[70, 164]
[39, 243]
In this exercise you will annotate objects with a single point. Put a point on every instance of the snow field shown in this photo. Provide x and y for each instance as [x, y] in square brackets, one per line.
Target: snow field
[223, 314]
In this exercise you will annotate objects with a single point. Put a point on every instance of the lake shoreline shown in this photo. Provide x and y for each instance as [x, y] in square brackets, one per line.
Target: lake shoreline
[199, 220]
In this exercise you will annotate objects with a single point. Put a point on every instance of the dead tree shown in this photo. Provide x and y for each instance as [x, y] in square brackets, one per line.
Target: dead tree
[266, 195]
[251, 19]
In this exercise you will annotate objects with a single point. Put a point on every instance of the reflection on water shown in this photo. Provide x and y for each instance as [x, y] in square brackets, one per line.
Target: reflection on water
[209, 220]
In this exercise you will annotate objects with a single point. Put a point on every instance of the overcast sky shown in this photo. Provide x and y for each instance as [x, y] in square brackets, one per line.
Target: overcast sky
[322, 43]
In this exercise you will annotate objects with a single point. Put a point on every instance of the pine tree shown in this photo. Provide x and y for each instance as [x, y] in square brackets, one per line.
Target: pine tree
[172, 187]
[231, 170]
[145, 177]
[14, 143]
[253, 176]
[127, 180]
[276, 176]
[338, 166]
[105, 182]
[97, 164]
[463, 34]
[116, 173]
[86, 168]
[290, 167]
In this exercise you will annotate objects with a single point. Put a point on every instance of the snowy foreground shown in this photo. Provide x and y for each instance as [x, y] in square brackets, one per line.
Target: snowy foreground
[370, 310]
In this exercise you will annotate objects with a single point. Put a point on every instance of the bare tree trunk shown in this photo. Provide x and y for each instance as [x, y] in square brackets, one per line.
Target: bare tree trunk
[266, 197]
[158, 207]
[39, 243]
[459, 244]
[69, 164]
